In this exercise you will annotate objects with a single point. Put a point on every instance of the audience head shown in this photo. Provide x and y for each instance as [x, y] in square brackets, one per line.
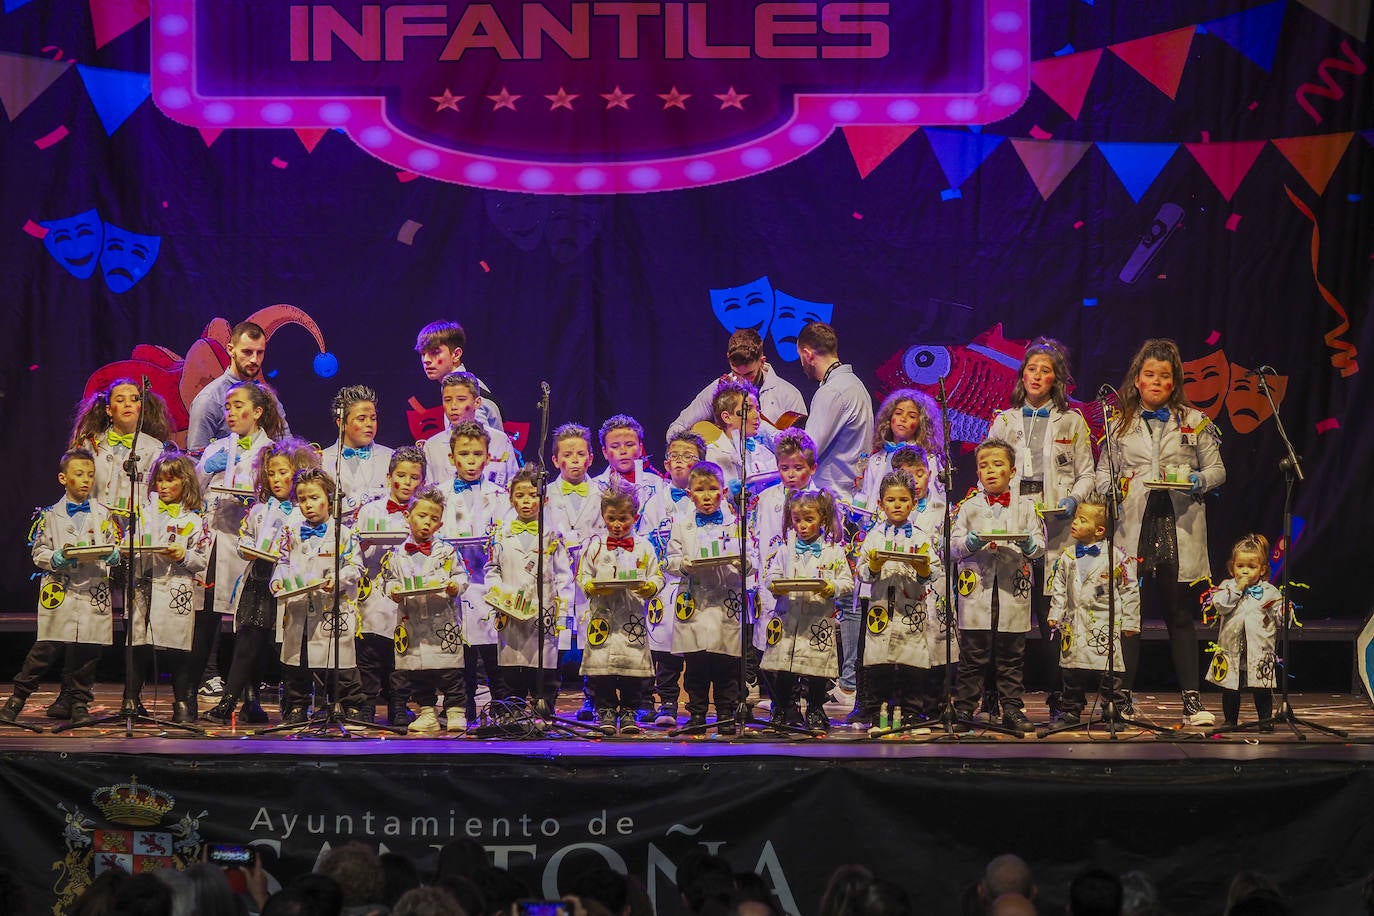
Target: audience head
[705, 880]
[143, 895]
[400, 875]
[1249, 884]
[602, 884]
[1011, 905]
[358, 871]
[428, 901]
[460, 858]
[323, 892]
[1007, 874]
[1095, 892]
[842, 888]
[1138, 895]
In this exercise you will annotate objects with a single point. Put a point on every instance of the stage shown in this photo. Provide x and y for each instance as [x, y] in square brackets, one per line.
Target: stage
[1187, 809]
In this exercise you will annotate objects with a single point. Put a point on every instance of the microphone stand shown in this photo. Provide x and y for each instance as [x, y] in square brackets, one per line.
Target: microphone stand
[128, 709]
[1291, 465]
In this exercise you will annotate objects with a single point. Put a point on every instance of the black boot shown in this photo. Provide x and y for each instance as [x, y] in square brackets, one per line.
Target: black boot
[61, 707]
[252, 711]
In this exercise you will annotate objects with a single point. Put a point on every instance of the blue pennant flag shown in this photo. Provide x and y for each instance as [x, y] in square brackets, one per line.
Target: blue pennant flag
[1253, 32]
[114, 93]
[1137, 164]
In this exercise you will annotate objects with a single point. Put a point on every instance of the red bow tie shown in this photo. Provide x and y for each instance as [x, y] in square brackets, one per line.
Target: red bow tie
[393, 506]
[1003, 498]
[620, 543]
[629, 476]
[424, 548]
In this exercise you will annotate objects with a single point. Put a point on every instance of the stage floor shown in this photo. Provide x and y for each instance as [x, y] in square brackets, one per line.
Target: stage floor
[1350, 713]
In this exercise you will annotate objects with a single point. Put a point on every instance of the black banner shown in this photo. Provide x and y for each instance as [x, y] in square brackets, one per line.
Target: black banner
[929, 824]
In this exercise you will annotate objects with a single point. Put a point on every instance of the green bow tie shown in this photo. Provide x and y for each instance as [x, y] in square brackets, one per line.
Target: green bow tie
[579, 488]
[172, 509]
[114, 438]
[245, 442]
[519, 527]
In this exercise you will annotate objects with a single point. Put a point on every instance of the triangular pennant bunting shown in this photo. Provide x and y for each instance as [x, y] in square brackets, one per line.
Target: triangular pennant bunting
[311, 136]
[1066, 79]
[1137, 165]
[210, 134]
[960, 152]
[1254, 32]
[112, 18]
[870, 146]
[1351, 16]
[1315, 158]
[1226, 164]
[23, 79]
[1159, 58]
[12, 5]
[114, 93]
[1049, 162]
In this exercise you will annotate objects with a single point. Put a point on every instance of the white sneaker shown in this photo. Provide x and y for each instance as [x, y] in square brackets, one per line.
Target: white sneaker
[1193, 711]
[214, 687]
[457, 722]
[426, 723]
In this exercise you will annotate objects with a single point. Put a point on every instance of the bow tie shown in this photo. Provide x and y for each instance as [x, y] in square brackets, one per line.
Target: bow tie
[1255, 591]
[569, 488]
[1032, 412]
[890, 447]
[620, 543]
[462, 486]
[1081, 551]
[364, 452]
[424, 548]
[114, 438]
[313, 531]
[1000, 498]
[172, 509]
[519, 527]
[393, 507]
[74, 508]
[677, 493]
[814, 548]
[904, 529]
[750, 444]
[628, 476]
[715, 518]
[245, 442]
[1162, 414]
[284, 505]
[921, 504]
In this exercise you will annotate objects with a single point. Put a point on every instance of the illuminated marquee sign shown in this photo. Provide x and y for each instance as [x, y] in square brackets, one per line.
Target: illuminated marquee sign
[588, 97]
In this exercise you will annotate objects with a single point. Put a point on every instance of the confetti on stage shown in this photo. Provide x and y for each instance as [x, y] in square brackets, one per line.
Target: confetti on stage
[279, 163]
[1233, 221]
[1212, 338]
[406, 235]
[57, 135]
[1039, 132]
[35, 230]
[1089, 303]
[951, 194]
[1330, 423]
[486, 268]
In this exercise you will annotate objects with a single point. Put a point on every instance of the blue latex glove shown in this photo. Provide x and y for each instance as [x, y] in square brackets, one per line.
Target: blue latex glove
[217, 462]
[1067, 505]
[60, 559]
[113, 558]
[1027, 546]
[973, 542]
[1196, 481]
[735, 487]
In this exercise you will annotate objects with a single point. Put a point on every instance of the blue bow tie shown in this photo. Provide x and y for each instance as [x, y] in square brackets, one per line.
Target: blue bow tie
[283, 504]
[313, 531]
[1080, 551]
[751, 443]
[364, 452]
[1032, 412]
[677, 493]
[904, 529]
[921, 504]
[74, 508]
[715, 518]
[891, 447]
[1255, 591]
[1162, 414]
[462, 486]
[814, 548]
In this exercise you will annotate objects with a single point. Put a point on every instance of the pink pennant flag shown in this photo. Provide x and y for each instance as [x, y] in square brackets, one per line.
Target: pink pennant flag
[870, 146]
[1066, 79]
[1226, 164]
[112, 18]
[1159, 58]
[311, 136]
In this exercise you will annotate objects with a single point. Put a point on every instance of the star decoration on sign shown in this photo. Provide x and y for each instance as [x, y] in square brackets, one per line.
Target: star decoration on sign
[732, 99]
[503, 99]
[447, 100]
[674, 99]
[617, 99]
[561, 99]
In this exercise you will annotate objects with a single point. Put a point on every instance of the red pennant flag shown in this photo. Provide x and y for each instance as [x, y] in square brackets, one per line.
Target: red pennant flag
[1049, 162]
[870, 146]
[112, 18]
[1159, 58]
[311, 136]
[1066, 79]
[210, 134]
[1226, 164]
[1315, 158]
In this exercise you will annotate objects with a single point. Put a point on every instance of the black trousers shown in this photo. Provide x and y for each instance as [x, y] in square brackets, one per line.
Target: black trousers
[426, 686]
[1230, 704]
[486, 654]
[298, 683]
[1160, 591]
[144, 658]
[667, 677]
[707, 672]
[815, 687]
[915, 691]
[78, 668]
[976, 648]
[1078, 681]
[252, 653]
[518, 681]
[616, 692]
[377, 668]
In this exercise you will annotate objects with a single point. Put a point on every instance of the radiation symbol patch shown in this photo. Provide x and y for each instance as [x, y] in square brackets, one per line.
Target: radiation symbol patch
[655, 611]
[1220, 666]
[500, 621]
[364, 587]
[774, 631]
[968, 581]
[878, 619]
[598, 631]
[685, 606]
[1066, 641]
[52, 595]
[401, 637]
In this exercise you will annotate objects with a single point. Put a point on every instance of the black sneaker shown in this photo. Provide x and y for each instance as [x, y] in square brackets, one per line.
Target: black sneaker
[223, 712]
[726, 726]
[857, 718]
[1193, 711]
[605, 721]
[1266, 728]
[696, 720]
[80, 713]
[1125, 708]
[587, 713]
[295, 716]
[400, 716]
[1067, 718]
[627, 724]
[252, 713]
[1016, 720]
[667, 716]
[818, 721]
[644, 715]
[61, 708]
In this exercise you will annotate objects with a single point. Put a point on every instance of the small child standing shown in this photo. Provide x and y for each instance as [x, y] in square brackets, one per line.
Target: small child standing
[703, 551]
[730, 415]
[622, 445]
[1081, 579]
[380, 523]
[512, 579]
[74, 593]
[166, 591]
[363, 470]
[616, 659]
[1249, 613]
[905, 646]
[105, 425]
[462, 404]
[994, 538]
[428, 634]
[309, 626]
[907, 417]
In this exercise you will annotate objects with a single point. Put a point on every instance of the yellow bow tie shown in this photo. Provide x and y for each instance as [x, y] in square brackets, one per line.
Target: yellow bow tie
[172, 509]
[114, 438]
[579, 488]
[245, 442]
[519, 527]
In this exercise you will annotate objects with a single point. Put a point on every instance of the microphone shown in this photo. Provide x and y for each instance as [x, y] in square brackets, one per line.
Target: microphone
[146, 384]
[942, 391]
[1105, 391]
[1261, 370]
[544, 387]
